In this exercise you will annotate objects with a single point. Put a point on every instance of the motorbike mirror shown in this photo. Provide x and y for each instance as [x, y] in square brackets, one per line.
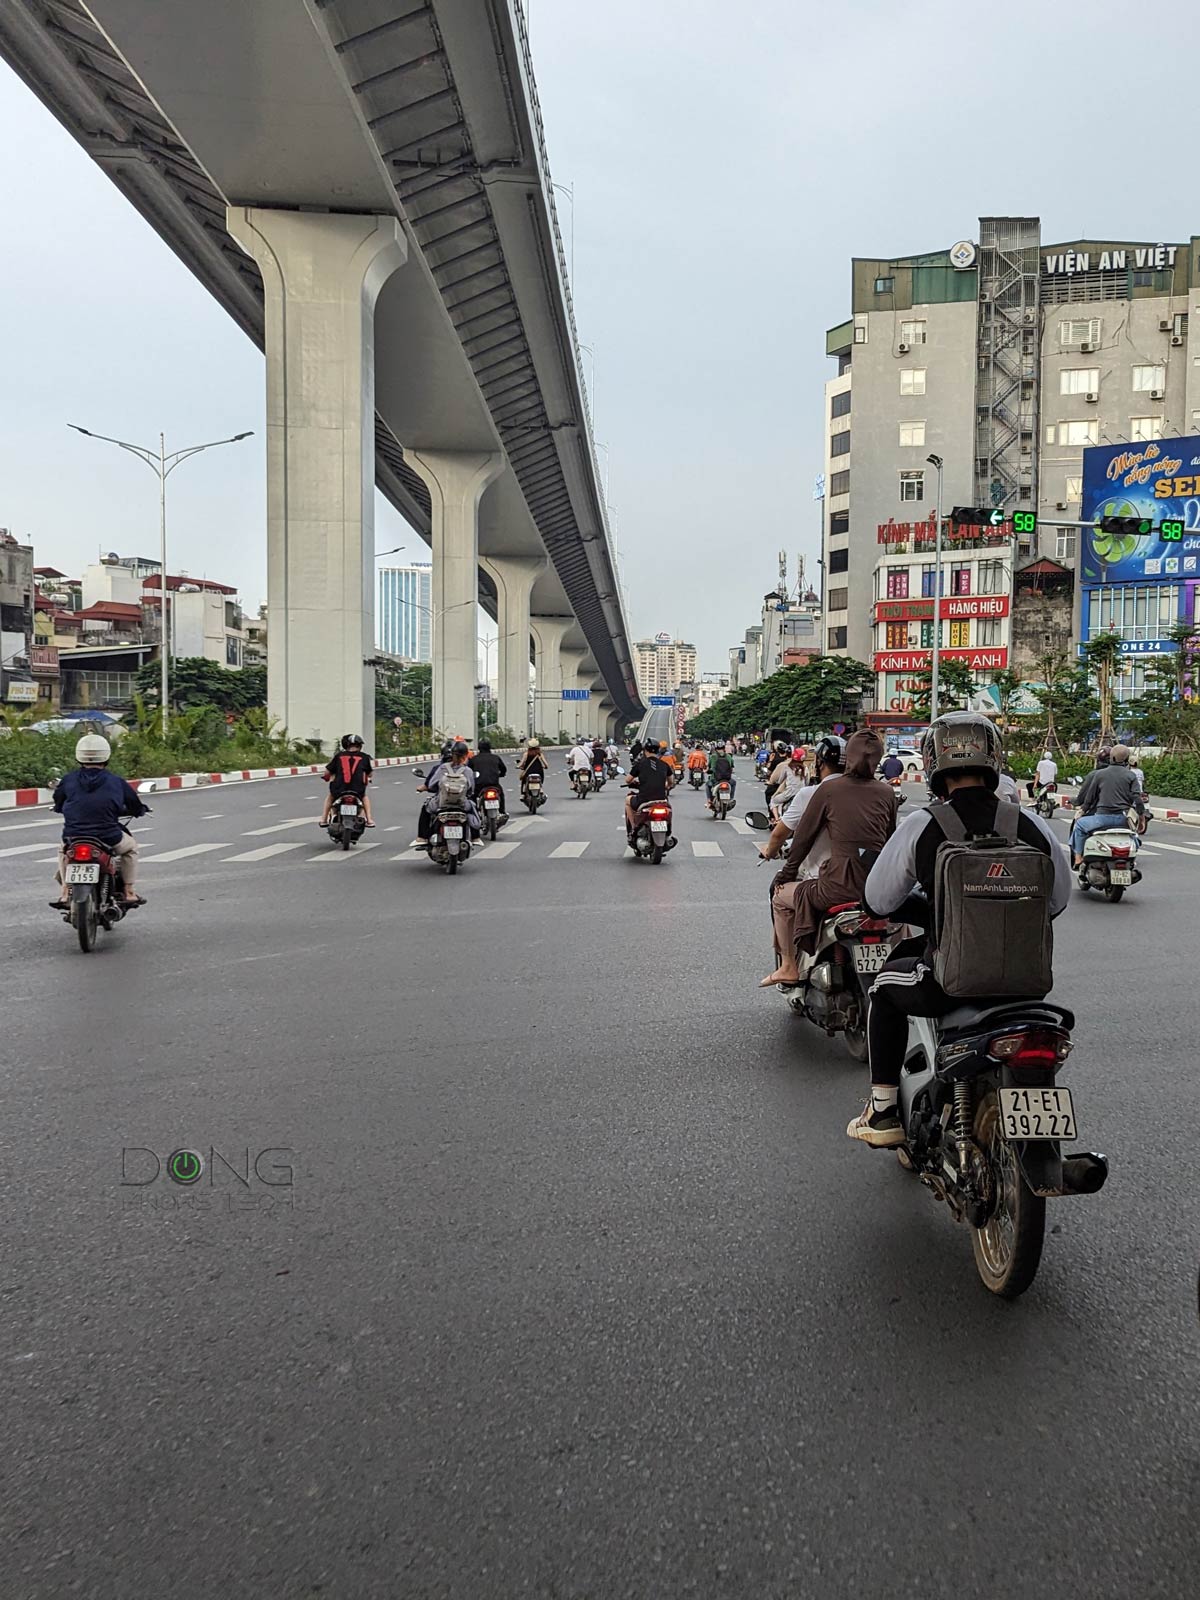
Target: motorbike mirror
[759, 820]
[418, 772]
[900, 799]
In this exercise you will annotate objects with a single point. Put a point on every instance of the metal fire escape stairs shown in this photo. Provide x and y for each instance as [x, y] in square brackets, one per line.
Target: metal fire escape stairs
[1006, 386]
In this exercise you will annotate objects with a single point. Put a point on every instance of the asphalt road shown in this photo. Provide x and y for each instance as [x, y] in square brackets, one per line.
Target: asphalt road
[578, 1289]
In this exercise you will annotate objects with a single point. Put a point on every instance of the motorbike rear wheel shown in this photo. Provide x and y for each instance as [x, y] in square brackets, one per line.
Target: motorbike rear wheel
[855, 1040]
[86, 922]
[1114, 894]
[1008, 1248]
[452, 865]
[345, 838]
[493, 829]
[656, 855]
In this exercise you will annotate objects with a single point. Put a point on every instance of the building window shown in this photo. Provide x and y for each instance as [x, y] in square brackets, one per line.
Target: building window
[991, 577]
[912, 433]
[1139, 611]
[839, 445]
[860, 333]
[1064, 544]
[839, 560]
[1147, 378]
[839, 524]
[960, 635]
[897, 636]
[839, 599]
[912, 332]
[839, 483]
[1074, 490]
[912, 380]
[912, 486]
[1079, 380]
[1142, 279]
[960, 580]
[927, 636]
[897, 583]
[1179, 324]
[928, 581]
[1145, 428]
[987, 632]
[885, 285]
[839, 404]
[1074, 434]
[1084, 331]
[837, 639]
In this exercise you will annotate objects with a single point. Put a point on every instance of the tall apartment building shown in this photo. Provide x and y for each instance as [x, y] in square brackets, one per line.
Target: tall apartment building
[663, 663]
[404, 610]
[1006, 358]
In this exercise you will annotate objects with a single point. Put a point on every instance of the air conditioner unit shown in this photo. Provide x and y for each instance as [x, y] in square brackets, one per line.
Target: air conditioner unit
[1085, 349]
[903, 349]
[1156, 394]
[1164, 326]
[1092, 397]
[1030, 318]
[1176, 340]
[1026, 449]
[1060, 505]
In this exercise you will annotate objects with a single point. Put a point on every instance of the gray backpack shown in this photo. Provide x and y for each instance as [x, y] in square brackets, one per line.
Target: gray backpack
[991, 910]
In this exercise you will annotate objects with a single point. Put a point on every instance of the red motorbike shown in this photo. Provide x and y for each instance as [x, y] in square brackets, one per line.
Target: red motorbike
[93, 887]
[652, 837]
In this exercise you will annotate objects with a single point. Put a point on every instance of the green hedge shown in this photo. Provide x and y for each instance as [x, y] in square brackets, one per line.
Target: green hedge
[1178, 776]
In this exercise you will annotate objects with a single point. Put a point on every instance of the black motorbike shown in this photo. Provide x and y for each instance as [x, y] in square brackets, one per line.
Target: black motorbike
[533, 794]
[347, 820]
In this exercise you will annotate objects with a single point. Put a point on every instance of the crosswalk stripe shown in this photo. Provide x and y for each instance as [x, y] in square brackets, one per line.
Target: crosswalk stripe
[569, 848]
[1159, 844]
[497, 852]
[739, 825]
[265, 851]
[42, 822]
[189, 850]
[519, 824]
[281, 827]
[23, 849]
[344, 855]
[706, 847]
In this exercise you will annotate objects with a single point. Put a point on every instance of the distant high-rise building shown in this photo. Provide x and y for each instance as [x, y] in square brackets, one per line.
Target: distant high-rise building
[663, 663]
[403, 610]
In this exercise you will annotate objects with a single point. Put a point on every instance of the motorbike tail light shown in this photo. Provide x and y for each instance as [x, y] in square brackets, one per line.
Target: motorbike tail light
[81, 852]
[491, 794]
[660, 811]
[1119, 850]
[1033, 1047]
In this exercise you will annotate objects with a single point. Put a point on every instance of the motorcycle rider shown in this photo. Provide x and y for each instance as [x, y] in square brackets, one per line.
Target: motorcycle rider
[1107, 794]
[649, 779]
[92, 802]
[579, 759]
[781, 755]
[893, 767]
[489, 768]
[533, 763]
[720, 770]
[348, 772]
[1045, 774]
[792, 783]
[860, 815]
[697, 761]
[457, 763]
[962, 756]
[830, 760]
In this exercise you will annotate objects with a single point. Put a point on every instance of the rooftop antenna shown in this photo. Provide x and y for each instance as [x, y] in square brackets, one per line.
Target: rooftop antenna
[783, 588]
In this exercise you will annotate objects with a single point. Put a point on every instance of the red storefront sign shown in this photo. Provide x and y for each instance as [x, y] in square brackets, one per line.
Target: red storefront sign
[891, 532]
[43, 658]
[952, 608]
[919, 660]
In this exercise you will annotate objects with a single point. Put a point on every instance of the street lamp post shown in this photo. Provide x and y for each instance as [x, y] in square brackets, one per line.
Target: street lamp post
[163, 465]
[936, 463]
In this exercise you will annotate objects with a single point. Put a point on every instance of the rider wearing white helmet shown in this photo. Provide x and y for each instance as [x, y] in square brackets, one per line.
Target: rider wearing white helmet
[92, 801]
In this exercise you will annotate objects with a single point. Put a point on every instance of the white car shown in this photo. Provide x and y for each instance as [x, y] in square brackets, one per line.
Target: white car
[914, 767]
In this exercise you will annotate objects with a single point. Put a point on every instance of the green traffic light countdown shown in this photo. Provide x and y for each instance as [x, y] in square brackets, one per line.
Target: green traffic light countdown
[1024, 521]
[1171, 530]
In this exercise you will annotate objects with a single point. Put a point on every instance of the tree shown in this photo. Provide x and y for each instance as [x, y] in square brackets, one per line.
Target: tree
[1166, 710]
[1068, 702]
[1008, 683]
[1103, 657]
[808, 700]
[956, 682]
[404, 692]
[196, 681]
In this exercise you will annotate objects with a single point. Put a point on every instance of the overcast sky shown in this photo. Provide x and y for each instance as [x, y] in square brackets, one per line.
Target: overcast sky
[727, 162]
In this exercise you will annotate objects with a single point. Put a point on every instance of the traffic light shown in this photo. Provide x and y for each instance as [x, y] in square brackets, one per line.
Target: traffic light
[1024, 521]
[1133, 525]
[1171, 530]
[977, 516]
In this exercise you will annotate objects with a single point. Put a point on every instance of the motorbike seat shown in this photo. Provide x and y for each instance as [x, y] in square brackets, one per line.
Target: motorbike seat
[974, 1016]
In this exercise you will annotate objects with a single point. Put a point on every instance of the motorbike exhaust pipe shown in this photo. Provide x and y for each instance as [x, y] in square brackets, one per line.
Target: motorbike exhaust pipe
[1084, 1173]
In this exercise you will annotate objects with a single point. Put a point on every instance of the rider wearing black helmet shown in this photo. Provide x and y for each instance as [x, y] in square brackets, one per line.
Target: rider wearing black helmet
[349, 772]
[489, 769]
[649, 779]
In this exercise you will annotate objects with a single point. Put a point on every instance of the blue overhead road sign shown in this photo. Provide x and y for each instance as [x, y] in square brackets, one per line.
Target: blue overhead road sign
[577, 694]
[662, 699]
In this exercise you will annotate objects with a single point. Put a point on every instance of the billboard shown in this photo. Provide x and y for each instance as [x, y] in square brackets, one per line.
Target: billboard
[1159, 479]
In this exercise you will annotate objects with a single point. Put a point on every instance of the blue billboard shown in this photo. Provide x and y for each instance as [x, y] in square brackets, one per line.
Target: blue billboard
[1159, 479]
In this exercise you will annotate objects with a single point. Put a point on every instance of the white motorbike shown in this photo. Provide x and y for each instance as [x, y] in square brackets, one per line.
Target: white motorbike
[1109, 857]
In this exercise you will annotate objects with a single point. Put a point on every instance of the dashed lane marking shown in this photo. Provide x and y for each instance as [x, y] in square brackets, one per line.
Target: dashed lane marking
[281, 827]
[264, 852]
[42, 822]
[187, 850]
[345, 855]
[569, 848]
[706, 847]
[739, 825]
[497, 852]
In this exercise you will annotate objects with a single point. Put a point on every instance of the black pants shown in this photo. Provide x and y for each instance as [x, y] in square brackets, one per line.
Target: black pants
[905, 988]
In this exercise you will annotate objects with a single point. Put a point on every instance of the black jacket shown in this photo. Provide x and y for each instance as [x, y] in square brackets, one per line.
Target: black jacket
[488, 768]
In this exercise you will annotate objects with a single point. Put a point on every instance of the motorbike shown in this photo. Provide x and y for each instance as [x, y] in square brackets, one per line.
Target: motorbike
[490, 804]
[347, 820]
[598, 776]
[581, 782]
[985, 1122]
[1044, 801]
[696, 777]
[852, 948]
[722, 799]
[611, 769]
[1108, 860]
[533, 794]
[93, 887]
[449, 842]
[652, 837]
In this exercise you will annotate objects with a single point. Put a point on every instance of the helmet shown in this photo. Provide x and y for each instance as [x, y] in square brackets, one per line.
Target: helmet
[92, 750]
[485, 746]
[1104, 757]
[356, 741]
[347, 740]
[961, 742]
[447, 749]
[831, 752]
[1119, 754]
[652, 747]
[459, 747]
[797, 754]
[781, 746]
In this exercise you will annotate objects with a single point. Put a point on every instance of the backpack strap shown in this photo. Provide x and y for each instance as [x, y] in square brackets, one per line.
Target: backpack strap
[1008, 815]
[948, 821]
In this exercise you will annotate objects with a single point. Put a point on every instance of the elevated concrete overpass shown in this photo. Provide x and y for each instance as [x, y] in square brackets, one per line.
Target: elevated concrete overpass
[363, 184]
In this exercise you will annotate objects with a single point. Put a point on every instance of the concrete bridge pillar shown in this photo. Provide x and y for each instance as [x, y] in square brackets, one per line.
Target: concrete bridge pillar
[548, 705]
[456, 480]
[514, 577]
[321, 276]
[575, 712]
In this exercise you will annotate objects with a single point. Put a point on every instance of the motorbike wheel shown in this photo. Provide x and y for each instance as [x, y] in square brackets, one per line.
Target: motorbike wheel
[493, 829]
[86, 922]
[452, 865]
[345, 839]
[656, 855]
[1008, 1248]
[1114, 894]
[856, 1042]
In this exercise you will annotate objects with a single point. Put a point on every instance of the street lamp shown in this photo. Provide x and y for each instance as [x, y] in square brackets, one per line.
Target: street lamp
[379, 554]
[936, 463]
[163, 465]
[569, 191]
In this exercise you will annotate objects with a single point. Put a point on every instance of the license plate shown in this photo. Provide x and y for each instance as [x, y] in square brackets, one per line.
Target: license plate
[871, 958]
[452, 833]
[1037, 1113]
[1120, 875]
[658, 827]
[84, 872]
[348, 811]
[492, 805]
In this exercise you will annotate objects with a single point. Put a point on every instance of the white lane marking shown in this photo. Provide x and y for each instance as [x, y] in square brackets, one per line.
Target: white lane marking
[395, 827]
[189, 850]
[265, 851]
[410, 855]
[213, 816]
[281, 827]
[497, 852]
[738, 825]
[345, 855]
[23, 849]
[42, 822]
[269, 805]
[1159, 844]
[518, 824]
[570, 848]
[706, 847]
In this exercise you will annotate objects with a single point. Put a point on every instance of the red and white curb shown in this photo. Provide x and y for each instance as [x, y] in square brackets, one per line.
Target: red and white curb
[1190, 818]
[12, 798]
